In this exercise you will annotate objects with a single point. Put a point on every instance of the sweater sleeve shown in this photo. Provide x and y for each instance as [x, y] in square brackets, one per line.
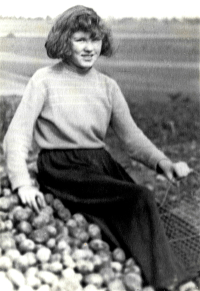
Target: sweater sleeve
[18, 139]
[138, 146]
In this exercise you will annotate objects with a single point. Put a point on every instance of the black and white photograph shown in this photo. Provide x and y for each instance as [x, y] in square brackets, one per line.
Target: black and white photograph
[100, 146]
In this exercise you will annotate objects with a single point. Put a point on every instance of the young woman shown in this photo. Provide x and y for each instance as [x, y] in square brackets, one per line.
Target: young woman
[67, 108]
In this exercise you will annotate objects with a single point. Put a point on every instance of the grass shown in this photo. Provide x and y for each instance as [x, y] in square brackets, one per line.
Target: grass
[156, 49]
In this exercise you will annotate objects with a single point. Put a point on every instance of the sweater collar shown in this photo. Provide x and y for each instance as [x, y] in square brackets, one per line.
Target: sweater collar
[77, 71]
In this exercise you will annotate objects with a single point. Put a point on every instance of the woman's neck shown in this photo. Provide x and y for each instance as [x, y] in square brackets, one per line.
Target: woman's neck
[76, 69]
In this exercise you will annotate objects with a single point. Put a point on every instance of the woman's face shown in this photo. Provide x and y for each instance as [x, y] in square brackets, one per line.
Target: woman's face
[85, 50]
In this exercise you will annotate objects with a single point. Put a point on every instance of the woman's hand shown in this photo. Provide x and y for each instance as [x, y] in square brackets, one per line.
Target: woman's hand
[32, 197]
[173, 171]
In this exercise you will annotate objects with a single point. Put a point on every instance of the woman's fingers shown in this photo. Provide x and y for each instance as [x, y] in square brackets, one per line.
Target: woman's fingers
[174, 171]
[40, 200]
[32, 197]
[22, 197]
[182, 170]
[34, 204]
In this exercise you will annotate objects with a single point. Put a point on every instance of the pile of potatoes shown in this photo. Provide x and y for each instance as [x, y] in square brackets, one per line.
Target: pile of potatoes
[57, 251]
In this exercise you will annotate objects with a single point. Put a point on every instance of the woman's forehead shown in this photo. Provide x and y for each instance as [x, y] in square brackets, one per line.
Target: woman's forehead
[85, 34]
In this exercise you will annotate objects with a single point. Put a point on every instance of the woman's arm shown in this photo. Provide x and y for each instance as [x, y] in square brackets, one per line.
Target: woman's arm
[138, 146]
[173, 171]
[18, 139]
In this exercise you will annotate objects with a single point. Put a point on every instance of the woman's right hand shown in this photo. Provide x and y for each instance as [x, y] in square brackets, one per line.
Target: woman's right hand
[32, 197]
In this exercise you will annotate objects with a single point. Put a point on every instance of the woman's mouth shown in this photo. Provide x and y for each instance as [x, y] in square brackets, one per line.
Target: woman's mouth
[87, 57]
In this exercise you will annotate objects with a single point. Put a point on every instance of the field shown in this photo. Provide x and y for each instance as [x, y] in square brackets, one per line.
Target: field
[151, 59]
[157, 68]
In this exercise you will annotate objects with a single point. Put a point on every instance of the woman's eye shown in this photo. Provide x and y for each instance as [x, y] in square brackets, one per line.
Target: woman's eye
[96, 39]
[80, 40]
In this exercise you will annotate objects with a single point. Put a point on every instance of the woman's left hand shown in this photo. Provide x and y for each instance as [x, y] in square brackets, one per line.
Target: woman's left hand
[174, 171]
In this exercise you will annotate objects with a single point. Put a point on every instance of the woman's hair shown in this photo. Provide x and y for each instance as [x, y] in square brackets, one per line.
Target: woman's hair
[77, 18]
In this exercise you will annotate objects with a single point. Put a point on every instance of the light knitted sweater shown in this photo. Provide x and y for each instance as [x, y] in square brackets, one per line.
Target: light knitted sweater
[63, 109]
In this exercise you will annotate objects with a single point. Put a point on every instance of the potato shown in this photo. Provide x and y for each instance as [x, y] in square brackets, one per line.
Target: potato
[71, 224]
[12, 254]
[44, 266]
[132, 281]
[6, 192]
[80, 254]
[47, 210]
[44, 288]
[16, 277]
[97, 261]
[38, 246]
[116, 266]
[98, 245]
[15, 199]
[116, 285]
[84, 267]
[149, 288]
[7, 285]
[55, 257]
[33, 282]
[24, 227]
[64, 214]
[2, 226]
[91, 287]
[5, 263]
[31, 257]
[94, 231]
[61, 245]
[107, 274]
[63, 234]
[67, 261]
[8, 225]
[132, 269]
[25, 288]
[70, 277]
[74, 242]
[47, 277]
[52, 231]
[80, 234]
[105, 257]
[130, 263]
[21, 213]
[49, 199]
[26, 245]
[43, 255]
[7, 241]
[2, 275]
[21, 263]
[58, 205]
[40, 221]
[68, 284]
[3, 215]
[55, 267]
[51, 243]
[119, 255]
[5, 203]
[31, 272]
[94, 279]
[20, 237]
[80, 220]
[40, 236]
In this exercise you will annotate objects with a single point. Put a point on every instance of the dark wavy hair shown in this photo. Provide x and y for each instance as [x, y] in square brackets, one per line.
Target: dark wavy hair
[77, 18]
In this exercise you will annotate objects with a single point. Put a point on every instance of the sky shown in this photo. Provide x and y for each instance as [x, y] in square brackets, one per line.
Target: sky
[105, 8]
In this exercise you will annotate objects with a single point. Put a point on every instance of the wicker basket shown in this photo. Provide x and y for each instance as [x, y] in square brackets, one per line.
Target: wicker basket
[182, 225]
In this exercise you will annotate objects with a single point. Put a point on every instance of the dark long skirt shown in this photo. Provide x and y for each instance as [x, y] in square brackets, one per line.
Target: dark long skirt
[92, 183]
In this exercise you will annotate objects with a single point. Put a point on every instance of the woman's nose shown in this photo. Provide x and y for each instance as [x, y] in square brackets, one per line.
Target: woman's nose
[89, 46]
